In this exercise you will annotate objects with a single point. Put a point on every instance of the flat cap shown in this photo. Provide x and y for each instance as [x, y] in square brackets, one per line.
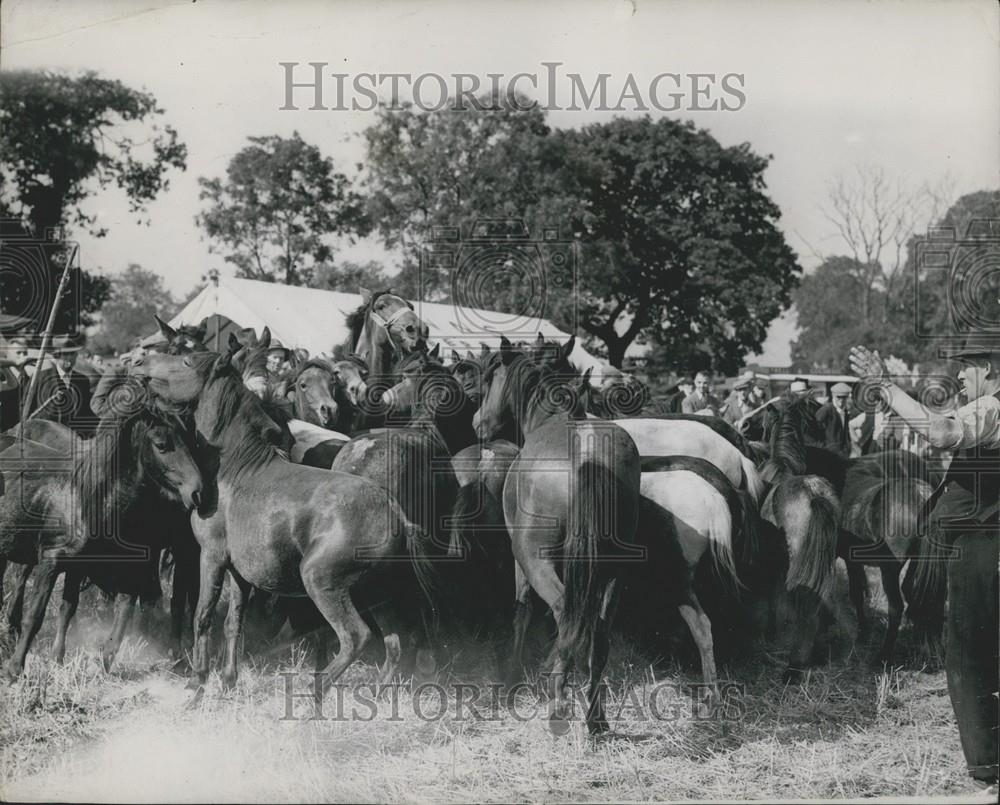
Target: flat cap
[840, 390]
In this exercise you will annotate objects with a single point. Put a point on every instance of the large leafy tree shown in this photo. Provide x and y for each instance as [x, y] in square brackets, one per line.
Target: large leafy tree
[677, 236]
[136, 296]
[62, 139]
[680, 241]
[279, 210]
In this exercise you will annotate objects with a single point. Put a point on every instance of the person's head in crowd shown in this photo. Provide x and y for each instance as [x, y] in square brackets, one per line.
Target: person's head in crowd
[841, 395]
[799, 386]
[686, 385]
[16, 350]
[277, 357]
[701, 383]
[744, 388]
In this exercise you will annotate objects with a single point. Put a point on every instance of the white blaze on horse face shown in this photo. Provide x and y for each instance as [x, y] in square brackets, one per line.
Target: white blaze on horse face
[258, 385]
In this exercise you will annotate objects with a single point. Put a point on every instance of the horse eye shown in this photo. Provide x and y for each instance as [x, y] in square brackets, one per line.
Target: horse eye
[187, 361]
[162, 446]
[302, 386]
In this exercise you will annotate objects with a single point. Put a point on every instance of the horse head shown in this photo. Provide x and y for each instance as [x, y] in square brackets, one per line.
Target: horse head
[390, 323]
[312, 390]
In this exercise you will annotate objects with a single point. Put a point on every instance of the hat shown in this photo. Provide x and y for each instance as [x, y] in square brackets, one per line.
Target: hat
[975, 346]
[277, 346]
[685, 381]
[744, 381]
[66, 343]
[840, 390]
[799, 384]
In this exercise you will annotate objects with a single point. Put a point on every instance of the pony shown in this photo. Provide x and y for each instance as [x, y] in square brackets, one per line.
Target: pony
[883, 497]
[806, 510]
[468, 371]
[570, 502]
[284, 528]
[382, 330]
[428, 394]
[93, 509]
[183, 339]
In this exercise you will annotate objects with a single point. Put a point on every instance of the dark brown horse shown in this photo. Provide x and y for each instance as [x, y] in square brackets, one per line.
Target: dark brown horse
[570, 503]
[281, 527]
[88, 516]
[805, 508]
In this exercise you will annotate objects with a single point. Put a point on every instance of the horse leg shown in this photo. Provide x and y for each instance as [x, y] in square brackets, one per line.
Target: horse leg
[210, 580]
[599, 648]
[33, 616]
[124, 606]
[890, 582]
[67, 609]
[805, 605]
[858, 585]
[701, 630]
[545, 581]
[16, 611]
[338, 609]
[522, 620]
[234, 625]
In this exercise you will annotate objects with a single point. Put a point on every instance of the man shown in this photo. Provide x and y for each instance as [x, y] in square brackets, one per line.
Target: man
[700, 401]
[965, 513]
[835, 421]
[680, 392]
[740, 402]
[12, 378]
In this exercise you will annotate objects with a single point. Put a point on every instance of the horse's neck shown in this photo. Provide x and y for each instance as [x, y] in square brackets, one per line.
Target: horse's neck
[378, 356]
[108, 487]
[241, 443]
[455, 427]
[788, 448]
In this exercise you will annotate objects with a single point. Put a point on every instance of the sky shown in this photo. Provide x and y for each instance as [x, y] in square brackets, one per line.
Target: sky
[910, 87]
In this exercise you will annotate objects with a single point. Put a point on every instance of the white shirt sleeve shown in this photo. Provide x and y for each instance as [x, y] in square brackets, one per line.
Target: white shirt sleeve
[980, 420]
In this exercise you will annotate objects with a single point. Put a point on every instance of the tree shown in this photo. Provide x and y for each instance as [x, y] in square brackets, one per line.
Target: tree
[61, 140]
[136, 296]
[449, 169]
[677, 236]
[876, 216]
[348, 276]
[280, 206]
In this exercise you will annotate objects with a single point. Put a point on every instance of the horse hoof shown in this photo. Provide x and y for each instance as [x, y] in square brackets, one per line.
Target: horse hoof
[107, 660]
[558, 723]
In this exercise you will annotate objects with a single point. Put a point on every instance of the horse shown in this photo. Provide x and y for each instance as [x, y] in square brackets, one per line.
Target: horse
[806, 510]
[428, 394]
[708, 438]
[882, 500]
[468, 371]
[382, 330]
[281, 527]
[570, 503]
[86, 520]
[183, 339]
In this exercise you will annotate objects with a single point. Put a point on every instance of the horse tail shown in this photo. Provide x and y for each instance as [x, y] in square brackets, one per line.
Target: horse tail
[722, 525]
[930, 564]
[747, 526]
[813, 551]
[594, 503]
[424, 570]
[752, 480]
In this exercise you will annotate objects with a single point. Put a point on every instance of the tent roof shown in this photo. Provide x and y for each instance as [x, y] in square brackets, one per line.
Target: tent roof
[317, 319]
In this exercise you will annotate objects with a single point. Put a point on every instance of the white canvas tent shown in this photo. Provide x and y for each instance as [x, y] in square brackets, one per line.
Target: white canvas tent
[317, 320]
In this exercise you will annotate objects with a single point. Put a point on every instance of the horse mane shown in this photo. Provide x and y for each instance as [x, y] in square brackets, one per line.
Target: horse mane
[109, 473]
[788, 436]
[262, 437]
[312, 363]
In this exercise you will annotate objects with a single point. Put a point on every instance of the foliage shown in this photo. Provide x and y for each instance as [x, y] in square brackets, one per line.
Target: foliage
[678, 239]
[279, 207]
[61, 140]
[348, 277]
[136, 296]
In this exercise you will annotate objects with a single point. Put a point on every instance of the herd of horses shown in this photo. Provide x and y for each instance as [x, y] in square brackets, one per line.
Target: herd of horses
[412, 505]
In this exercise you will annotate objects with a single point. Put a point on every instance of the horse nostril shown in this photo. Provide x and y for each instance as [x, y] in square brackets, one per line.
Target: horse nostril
[196, 498]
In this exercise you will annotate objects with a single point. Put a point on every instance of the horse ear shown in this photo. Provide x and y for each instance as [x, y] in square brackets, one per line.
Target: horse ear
[222, 363]
[434, 353]
[469, 355]
[455, 357]
[366, 295]
[567, 348]
[234, 344]
[265, 338]
[484, 349]
[540, 341]
[168, 331]
[506, 351]
[584, 385]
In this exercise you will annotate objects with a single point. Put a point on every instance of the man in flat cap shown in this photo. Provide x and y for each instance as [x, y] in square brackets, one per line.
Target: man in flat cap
[739, 403]
[834, 419]
[966, 532]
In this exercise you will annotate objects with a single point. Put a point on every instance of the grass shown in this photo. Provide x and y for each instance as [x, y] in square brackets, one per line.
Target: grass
[73, 732]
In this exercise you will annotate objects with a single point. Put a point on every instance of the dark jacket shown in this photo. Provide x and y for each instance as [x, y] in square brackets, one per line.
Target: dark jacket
[837, 434]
